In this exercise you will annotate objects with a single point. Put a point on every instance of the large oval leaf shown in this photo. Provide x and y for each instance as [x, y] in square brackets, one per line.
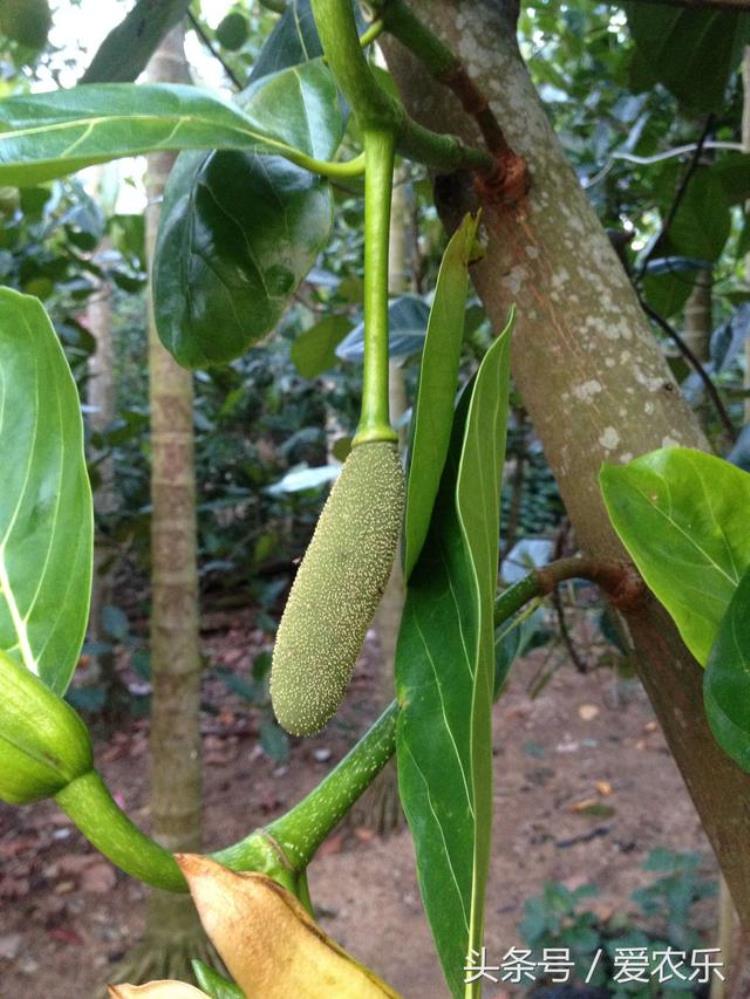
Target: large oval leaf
[726, 684]
[239, 231]
[238, 234]
[438, 376]
[445, 676]
[692, 52]
[46, 518]
[43, 136]
[683, 517]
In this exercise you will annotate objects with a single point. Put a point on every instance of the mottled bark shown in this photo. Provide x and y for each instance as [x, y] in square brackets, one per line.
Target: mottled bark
[175, 649]
[591, 375]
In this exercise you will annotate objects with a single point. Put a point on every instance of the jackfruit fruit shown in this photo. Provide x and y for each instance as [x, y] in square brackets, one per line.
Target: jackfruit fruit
[337, 589]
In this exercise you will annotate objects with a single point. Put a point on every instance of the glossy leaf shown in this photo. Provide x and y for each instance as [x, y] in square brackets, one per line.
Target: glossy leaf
[43, 136]
[692, 52]
[682, 515]
[294, 40]
[239, 231]
[46, 519]
[125, 52]
[445, 666]
[314, 350]
[726, 684]
[432, 417]
[237, 236]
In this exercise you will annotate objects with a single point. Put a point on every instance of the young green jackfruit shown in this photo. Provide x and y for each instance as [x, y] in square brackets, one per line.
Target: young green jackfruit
[337, 589]
[44, 745]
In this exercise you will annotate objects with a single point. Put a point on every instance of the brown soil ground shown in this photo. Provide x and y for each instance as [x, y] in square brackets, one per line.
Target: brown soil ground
[586, 742]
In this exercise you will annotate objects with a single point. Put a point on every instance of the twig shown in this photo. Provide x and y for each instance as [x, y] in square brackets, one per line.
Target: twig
[510, 180]
[679, 195]
[201, 33]
[695, 363]
[567, 638]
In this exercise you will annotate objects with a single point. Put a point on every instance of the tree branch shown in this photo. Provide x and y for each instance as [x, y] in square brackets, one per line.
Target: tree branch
[201, 33]
[690, 357]
[679, 195]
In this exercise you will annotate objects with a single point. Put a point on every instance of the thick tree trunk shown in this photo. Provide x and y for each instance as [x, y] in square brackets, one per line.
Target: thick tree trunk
[590, 372]
[175, 648]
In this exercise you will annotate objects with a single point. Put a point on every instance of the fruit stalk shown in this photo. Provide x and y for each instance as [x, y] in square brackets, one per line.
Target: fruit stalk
[374, 424]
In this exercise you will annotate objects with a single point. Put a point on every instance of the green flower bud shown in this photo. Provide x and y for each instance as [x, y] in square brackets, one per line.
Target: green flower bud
[44, 745]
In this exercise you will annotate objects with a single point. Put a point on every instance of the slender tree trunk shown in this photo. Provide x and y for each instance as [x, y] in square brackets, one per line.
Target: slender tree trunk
[101, 400]
[173, 934]
[591, 374]
[699, 316]
[175, 640]
[698, 328]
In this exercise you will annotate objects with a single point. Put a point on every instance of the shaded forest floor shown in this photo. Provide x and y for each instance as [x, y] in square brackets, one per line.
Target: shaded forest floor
[585, 789]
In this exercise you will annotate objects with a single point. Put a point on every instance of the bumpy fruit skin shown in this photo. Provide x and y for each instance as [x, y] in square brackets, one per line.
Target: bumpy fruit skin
[337, 589]
[44, 745]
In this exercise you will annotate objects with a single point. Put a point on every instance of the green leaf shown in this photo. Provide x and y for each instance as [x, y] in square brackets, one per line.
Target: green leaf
[214, 984]
[238, 234]
[682, 515]
[692, 52]
[726, 684]
[667, 292]
[26, 21]
[432, 417]
[46, 519]
[43, 136]
[233, 31]
[125, 52]
[294, 40]
[701, 226]
[445, 674]
[314, 350]
[733, 170]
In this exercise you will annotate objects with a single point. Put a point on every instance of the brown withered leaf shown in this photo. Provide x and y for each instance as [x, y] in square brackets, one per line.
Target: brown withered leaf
[269, 943]
[157, 990]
